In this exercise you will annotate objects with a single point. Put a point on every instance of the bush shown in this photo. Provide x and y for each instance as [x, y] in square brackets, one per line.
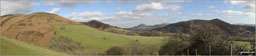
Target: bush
[142, 49]
[31, 36]
[116, 50]
[173, 47]
[150, 33]
[64, 44]
[134, 49]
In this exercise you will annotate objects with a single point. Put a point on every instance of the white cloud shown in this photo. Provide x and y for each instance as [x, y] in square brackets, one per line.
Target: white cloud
[140, 14]
[231, 12]
[132, 20]
[237, 2]
[85, 16]
[128, 19]
[159, 1]
[173, 7]
[211, 6]
[133, 14]
[149, 7]
[250, 7]
[54, 10]
[16, 6]
[179, 13]
[67, 3]
[225, 1]
[143, 14]
[246, 4]
[123, 13]
[201, 15]
[155, 6]
[72, 3]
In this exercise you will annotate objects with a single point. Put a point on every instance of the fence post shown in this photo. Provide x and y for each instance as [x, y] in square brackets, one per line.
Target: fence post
[96, 54]
[188, 52]
[210, 51]
[230, 49]
[196, 52]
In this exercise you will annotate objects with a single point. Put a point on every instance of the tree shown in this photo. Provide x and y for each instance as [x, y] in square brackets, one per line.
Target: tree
[207, 36]
[173, 47]
[116, 50]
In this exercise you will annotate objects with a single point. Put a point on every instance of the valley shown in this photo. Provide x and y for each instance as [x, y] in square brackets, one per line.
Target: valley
[44, 33]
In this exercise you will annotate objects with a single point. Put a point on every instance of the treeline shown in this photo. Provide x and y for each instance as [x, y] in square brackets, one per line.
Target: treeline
[139, 33]
[134, 49]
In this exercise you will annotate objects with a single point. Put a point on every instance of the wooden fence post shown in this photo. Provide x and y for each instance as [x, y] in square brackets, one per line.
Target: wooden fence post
[196, 51]
[188, 52]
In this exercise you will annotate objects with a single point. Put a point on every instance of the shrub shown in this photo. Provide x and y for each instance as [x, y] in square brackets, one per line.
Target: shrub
[142, 49]
[116, 50]
[173, 47]
[134, 49]
[64, 44]
[30, 36]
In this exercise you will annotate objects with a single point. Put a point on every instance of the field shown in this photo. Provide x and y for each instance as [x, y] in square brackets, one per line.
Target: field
[14, 47]
[247, 45]
[96, 41]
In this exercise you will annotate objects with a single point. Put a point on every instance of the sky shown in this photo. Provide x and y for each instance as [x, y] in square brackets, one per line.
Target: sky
[130, 13]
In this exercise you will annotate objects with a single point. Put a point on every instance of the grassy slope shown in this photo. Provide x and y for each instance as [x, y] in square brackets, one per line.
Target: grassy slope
[246, 44]
[93, 39]
[14, 47]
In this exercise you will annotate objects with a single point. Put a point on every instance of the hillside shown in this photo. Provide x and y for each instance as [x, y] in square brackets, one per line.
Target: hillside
[56, 33]
[32, 28]
[188, 26]
[14, 47]
[96, 41]
[108, 28]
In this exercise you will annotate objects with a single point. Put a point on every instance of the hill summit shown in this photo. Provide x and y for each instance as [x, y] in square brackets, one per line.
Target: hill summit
[97, 24]
[143, 27]
[187, 26]
[32, 28]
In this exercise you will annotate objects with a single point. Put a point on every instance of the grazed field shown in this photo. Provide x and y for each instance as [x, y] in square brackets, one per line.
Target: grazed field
[15, 47]
[96, 41]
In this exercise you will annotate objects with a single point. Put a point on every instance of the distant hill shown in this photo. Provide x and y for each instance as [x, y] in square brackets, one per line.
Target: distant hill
[143, 27]
[97, 24]
[246, 24]
[108, 28]
[187, 26]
